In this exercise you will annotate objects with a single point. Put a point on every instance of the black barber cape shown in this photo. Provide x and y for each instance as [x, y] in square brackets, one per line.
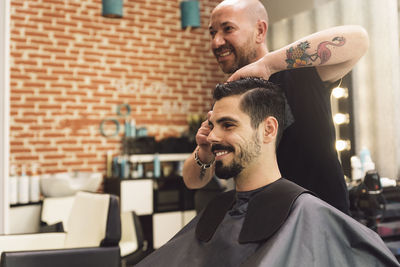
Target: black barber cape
[280, 225]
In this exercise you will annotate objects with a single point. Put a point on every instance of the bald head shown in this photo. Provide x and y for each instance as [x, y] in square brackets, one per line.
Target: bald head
[238, 31]
[254, 9]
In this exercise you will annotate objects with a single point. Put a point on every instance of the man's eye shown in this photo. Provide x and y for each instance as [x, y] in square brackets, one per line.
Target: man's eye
[212, 33]
[228, 29]
[228, 125]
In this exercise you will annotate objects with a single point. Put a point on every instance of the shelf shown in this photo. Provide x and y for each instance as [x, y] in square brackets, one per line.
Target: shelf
[162, 157]
[26, 204]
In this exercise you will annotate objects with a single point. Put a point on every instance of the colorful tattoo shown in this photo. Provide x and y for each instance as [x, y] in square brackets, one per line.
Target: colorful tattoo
[298, 57]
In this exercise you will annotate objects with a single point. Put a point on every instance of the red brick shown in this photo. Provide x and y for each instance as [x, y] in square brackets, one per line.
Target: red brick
[20, 150]
[53, 166]
[72, 149]
[26, 158]
[50, 106]
[72, 163]
[19, 76]
[86, 45]
[54, 64]
[53, 28]
[62, 72]
[86, 156]
[41, 41]
[66, 142]
[46, 149]
[54, 156]
[40, 142]
[73, 79]
[54, 50]
[65, 23]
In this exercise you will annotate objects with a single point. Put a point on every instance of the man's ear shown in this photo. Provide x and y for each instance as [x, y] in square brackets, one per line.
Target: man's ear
[262, 28]
[270, 129]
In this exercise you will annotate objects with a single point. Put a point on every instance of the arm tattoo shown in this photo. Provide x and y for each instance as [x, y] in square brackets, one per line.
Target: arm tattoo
[298, 57]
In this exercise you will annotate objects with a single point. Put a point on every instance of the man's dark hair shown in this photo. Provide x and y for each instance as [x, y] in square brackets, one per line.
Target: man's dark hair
[261, 99]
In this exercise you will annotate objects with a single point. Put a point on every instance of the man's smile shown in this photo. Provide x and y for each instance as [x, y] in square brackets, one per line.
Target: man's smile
[221, 151]
[223, 52]
[221, 154]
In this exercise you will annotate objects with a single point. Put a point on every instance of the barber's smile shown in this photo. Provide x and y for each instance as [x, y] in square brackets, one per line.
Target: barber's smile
[223, 53]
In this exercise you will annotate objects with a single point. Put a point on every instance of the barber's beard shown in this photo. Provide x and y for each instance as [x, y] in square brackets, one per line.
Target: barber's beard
[244, 55]
[248, 153]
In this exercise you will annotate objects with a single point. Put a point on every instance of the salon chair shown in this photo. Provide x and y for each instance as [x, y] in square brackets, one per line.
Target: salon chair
[133, 245]
[92, 237]
[55, 213]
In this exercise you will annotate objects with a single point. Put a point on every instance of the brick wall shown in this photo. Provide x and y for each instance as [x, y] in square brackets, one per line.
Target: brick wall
[71, 67]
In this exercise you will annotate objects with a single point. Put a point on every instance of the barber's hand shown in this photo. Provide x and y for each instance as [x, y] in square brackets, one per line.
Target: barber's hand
[255, 69]
[201, 140]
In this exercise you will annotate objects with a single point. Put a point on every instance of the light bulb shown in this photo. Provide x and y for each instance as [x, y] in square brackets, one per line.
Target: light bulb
[342, 145]
[340, 92]
[341, 118]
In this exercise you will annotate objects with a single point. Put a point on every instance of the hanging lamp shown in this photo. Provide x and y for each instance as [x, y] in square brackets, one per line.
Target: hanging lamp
[112, 8]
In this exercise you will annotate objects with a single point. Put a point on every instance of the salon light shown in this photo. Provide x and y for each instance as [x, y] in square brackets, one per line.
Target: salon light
[341, 118]
[190, 14]
[342, 145]
[340, 92]
[112, 9]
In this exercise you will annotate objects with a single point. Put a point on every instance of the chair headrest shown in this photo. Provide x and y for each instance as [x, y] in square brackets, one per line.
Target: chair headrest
[94, 221]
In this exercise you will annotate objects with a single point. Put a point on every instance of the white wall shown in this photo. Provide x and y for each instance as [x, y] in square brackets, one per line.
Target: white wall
[280, 9]
[4, 112]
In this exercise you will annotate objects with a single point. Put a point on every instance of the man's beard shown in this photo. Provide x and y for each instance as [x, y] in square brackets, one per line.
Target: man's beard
[249, 152]
[226, 172]
[242, 57]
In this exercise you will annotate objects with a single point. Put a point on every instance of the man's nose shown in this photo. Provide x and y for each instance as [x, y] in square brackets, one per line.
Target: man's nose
[213, 137]
[217, 41]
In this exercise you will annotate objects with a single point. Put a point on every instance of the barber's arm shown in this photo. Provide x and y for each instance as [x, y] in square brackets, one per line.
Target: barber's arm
[194, 175]
[333, 52]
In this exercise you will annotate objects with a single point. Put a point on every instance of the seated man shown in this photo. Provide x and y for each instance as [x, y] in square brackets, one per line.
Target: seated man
[267, 220]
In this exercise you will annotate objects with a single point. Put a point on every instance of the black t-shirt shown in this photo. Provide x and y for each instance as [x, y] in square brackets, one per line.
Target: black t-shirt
[306, 153]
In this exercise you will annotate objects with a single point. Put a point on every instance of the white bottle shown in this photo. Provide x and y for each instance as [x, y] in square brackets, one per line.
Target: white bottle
[364, 154]
[23, 187]
[13, 186]
[356, 168]
[34, 185]
[368, 165]
[133, 128]
[157, 166]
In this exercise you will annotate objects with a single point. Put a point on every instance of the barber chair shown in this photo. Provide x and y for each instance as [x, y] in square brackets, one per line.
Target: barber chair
[55, 213]
[133, 245]
[92, 237]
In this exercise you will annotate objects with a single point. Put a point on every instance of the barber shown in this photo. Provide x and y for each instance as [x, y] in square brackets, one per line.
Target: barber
[304, 70]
